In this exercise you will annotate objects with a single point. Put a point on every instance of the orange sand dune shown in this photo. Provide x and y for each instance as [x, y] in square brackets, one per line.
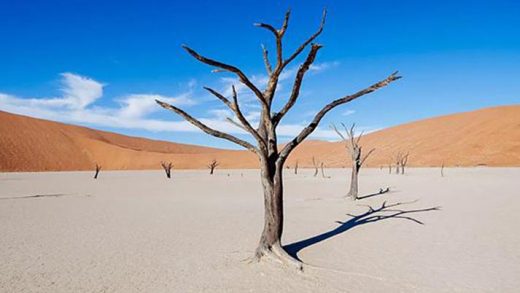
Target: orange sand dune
[485, 137]
[488, 137]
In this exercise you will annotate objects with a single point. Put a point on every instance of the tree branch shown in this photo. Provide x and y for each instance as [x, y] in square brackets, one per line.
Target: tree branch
[242, 77]
[337, 131]
[245, 123]
[308, 41]
[314, 123]
[298, 82]
[220, 97]
[268, 67]
[366, 156]
[207, 129]
[278, 34]
[285, 23]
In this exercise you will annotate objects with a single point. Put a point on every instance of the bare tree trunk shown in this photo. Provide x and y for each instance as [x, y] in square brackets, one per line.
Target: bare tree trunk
[315, 167]
[296, 168]
[322, 171]
[389, 168]
[270, 240]
[353, 192]
[442, 170]
[98, 168]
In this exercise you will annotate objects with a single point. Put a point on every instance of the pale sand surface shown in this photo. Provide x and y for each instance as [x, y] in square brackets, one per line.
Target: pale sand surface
[139, 232]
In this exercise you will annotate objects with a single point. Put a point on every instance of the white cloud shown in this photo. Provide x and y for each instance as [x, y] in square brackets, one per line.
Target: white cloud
[79, 91]
[77, 104]
[319, 67]
[140, 105]
[348, 112]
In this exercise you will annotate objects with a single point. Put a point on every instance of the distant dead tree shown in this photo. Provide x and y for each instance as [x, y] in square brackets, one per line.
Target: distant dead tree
[442, 169]
[214, 164]
[403, 162]
[167, 166]
[353, 147]
[389, 168]
[296, 168]
[271, 159]
[98, 168]
[322, 166]
[398, 162]
[315, 164]
[401, 159]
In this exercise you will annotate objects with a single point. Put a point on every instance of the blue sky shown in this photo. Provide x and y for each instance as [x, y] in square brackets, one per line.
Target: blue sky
[101, 63]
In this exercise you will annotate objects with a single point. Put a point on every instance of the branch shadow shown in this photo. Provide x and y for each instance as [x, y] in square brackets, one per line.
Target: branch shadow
[371, 216]
[381, 191]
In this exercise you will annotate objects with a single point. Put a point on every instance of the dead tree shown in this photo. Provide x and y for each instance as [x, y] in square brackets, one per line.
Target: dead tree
[442, 169]
[398, 158]
[167, 166]
[296, 168]
[389, 168]
[403, 162]
[271, 158]
[214, 164]
[98, 168]
[315, 164]
[353, 147]
[322, 166]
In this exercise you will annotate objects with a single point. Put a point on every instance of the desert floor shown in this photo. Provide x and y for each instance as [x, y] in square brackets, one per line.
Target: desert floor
[139, 232]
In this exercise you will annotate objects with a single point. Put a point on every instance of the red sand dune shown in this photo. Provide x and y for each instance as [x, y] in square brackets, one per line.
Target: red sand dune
[489, 137]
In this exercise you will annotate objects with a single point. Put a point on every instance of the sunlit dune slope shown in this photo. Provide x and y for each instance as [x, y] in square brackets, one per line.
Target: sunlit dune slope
[488, 137]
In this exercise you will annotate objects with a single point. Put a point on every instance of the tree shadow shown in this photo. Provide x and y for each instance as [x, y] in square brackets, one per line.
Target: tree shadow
[381, 191]
[371, 216]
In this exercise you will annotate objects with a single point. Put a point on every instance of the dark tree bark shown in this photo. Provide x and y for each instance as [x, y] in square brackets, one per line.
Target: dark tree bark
[271, 159]
[353, 147]
[214, 164]
[98, 168]
[296, 168]
[167, 166]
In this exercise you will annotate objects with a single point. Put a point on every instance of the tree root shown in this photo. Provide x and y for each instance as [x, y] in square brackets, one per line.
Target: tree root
[278, 254]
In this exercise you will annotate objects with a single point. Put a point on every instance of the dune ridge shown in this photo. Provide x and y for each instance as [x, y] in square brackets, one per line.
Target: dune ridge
[486, 137]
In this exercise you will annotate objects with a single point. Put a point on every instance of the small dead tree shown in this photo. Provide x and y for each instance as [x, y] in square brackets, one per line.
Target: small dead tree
[167, 166]
[442, 169]
[322, 166]
[296, 168]
[389, 168]
[214, 164]
[271, 158]
[98, 168]
[398, 158]
[353, 147]
[315, 164]
[403, 162]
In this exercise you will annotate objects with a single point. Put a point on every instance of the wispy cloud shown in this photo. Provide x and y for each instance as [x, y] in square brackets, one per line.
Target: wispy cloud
[348, 112]
[319, 67]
